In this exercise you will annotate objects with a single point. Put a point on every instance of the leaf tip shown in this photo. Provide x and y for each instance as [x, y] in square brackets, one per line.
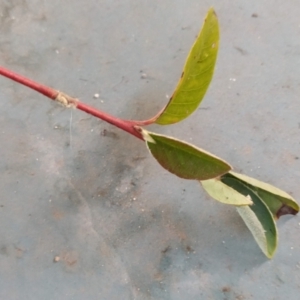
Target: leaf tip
[211, 11]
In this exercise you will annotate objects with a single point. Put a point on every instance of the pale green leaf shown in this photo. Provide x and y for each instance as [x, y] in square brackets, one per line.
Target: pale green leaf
[196, 75]
[255, 227]
[182, 159]
[279, 202]
[224, 194]
[257, 217]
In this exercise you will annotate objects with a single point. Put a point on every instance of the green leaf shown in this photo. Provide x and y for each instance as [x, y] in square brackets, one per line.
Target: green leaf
[196, 75]
[279, 202]
[257, 217]
[182, 159]
[224, 194]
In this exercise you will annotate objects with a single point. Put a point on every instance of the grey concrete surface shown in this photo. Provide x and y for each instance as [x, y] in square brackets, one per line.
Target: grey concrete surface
[76, 188]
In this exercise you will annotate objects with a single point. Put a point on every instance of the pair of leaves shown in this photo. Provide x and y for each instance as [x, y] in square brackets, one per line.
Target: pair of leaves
[179, 158]
[268, 204]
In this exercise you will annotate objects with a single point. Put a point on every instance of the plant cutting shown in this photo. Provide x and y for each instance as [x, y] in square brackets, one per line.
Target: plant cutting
[258, 203]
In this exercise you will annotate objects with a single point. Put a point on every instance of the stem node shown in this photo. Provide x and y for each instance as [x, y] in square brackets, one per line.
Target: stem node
[65, 100]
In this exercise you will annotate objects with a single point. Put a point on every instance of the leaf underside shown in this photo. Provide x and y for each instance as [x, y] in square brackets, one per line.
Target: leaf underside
[196, 75]
[260, 221]
[184, 160]
[224, 194]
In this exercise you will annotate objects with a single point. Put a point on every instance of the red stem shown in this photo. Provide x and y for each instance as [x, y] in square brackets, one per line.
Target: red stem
[48, 92]
[122, 124]
[126, 125]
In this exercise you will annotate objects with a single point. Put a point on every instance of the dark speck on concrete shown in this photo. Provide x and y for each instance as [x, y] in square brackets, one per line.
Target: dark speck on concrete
[226, 289]
[168, 248]
[242, 51]
[110, 134]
